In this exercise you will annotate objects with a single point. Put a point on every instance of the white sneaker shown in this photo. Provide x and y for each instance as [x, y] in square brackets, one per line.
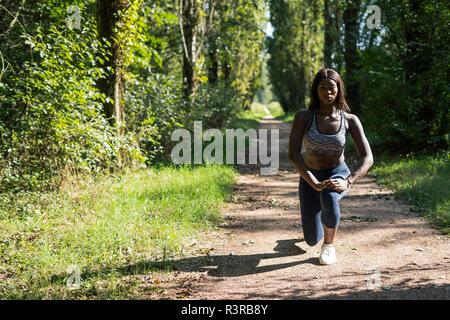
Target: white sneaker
[327, 254]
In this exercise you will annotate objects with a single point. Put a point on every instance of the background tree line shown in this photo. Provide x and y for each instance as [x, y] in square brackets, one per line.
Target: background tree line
[94, 86]
[396, 76]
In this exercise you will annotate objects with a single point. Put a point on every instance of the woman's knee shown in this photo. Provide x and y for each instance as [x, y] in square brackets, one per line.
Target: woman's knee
[331, 221]
[312, 241]
[328, 197]
[312, 233]
[330, 208]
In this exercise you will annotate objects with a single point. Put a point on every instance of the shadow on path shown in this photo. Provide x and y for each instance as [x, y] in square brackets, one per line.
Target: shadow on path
[215, 265]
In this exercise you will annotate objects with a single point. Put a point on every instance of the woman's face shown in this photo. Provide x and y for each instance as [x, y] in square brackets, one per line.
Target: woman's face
[327, 91]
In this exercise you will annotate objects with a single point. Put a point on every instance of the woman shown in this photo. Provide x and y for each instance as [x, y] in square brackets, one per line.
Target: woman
[324, 175]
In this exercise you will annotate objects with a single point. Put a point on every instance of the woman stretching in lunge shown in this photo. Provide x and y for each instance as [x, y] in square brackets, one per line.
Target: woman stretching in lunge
[324, 176]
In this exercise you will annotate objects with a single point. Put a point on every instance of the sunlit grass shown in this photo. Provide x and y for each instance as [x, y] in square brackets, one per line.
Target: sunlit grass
[141, 216]
[423, 181]
[249, 118]
[275, 109]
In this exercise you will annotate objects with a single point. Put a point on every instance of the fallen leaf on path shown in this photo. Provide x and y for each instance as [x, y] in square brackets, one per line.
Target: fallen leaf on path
[248, 242]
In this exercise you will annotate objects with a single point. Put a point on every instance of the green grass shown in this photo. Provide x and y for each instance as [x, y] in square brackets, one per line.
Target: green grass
[137, 218]
[275, 109]
[248, 119]
[422, 181]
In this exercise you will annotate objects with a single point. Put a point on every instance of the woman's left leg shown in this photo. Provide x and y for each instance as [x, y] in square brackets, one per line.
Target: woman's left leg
[329, 201]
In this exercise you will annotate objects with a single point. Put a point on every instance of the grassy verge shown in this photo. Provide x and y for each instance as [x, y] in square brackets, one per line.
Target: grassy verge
[248, 119]
[275, 109]
[423, 181]
[100, 228]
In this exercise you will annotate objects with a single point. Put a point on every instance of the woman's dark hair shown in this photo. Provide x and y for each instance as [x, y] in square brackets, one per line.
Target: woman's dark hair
[328, 74]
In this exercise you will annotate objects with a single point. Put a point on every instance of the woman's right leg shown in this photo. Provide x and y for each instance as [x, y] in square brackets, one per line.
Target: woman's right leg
[310, 212]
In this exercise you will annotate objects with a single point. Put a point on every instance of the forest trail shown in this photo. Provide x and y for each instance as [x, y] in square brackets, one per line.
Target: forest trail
[384, 250]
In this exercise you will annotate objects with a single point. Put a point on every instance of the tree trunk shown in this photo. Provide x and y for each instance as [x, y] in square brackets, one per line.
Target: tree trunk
[226, 69]
[213, 70]
[351, 55]
[113, 83]
[190, 16]
[328, 45]
[337, 22]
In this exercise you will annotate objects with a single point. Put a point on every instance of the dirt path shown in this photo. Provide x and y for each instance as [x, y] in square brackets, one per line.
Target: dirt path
[384, 250]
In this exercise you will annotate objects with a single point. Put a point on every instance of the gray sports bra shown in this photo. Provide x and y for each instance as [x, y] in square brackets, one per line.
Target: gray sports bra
[321, 143]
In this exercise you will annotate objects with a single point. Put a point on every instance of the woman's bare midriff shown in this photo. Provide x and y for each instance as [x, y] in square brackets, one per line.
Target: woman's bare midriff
[322, 161]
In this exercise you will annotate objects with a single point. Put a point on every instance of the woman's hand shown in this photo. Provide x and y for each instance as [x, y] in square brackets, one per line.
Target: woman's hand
[318, 186]
[337, 184]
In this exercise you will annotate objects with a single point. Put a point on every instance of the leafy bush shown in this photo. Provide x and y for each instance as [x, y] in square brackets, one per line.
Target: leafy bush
[51, 114]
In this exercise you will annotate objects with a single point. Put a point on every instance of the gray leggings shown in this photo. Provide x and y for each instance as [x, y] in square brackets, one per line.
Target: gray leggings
[319, 207]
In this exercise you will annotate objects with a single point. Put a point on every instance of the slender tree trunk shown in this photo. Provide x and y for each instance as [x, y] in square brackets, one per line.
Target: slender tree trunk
[213, 70]
[351, 55]
[337, 22]
[190, 16]
[328, 45]
[226, 70]
[113, 83]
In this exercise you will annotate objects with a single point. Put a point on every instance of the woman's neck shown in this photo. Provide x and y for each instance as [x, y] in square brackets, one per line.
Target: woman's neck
[327, 109]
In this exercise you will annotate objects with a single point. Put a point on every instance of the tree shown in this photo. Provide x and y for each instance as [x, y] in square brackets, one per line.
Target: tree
[329, 40]
[352, 57]
[296, 49]
[111, 15]
[195, 26]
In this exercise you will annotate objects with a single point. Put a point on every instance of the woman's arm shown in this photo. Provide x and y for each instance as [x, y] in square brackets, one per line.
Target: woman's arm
[295, 148]
[364, 152]
[362, 148]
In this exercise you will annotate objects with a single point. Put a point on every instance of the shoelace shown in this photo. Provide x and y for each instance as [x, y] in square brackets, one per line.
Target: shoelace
[326, 250]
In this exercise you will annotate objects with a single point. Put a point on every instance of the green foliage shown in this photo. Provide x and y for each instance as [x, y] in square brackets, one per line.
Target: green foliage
[295, 50]
[235, 43]
[154, 100]
[404, 82]
[423, 181]
[57, 126]
[248, 119]
[51, 121]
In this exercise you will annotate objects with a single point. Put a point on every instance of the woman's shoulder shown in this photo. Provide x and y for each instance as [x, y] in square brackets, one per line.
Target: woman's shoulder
[304, 114]
[352, 120]
[351, 117]
[303, 119]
